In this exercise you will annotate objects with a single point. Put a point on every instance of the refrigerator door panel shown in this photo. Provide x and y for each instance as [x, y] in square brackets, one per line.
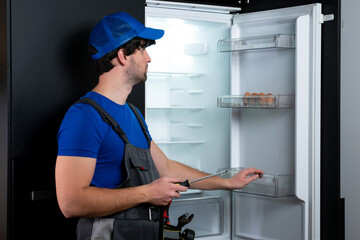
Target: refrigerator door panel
[308, 85]
[185, 77]
[279, 141]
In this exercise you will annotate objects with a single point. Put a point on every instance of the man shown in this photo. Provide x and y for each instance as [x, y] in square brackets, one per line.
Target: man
[109, 171]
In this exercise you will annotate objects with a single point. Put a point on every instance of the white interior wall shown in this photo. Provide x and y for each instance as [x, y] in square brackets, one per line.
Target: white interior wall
[350, 116]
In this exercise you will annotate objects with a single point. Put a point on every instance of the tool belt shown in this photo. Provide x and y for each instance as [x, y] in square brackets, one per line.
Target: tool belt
[151, 213]
[140, 223]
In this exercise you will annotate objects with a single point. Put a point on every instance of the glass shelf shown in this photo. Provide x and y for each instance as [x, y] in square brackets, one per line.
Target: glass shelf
[259, 42]
[258, 101]
[270, 185]
[172, 74]
[176, 108]
[160, 142]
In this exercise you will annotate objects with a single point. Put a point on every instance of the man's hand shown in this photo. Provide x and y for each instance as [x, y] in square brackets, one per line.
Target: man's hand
[163, 190]
[244, 177]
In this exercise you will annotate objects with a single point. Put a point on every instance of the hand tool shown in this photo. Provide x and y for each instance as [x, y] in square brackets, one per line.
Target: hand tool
[184, 219]
[186, 183]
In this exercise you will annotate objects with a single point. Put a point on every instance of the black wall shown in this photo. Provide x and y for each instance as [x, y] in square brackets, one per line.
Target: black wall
[48, 69]
[3, 122]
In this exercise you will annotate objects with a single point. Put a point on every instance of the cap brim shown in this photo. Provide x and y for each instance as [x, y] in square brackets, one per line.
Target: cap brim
[151, 33]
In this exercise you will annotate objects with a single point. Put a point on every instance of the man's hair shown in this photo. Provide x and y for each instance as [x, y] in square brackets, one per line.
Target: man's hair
[104, 64]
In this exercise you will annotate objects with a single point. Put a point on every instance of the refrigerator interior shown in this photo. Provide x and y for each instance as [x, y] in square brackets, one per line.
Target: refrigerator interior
[185, 77]
[274, 54]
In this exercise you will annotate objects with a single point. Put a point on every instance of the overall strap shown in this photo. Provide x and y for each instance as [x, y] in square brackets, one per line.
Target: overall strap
[142, 124]
[106, 117]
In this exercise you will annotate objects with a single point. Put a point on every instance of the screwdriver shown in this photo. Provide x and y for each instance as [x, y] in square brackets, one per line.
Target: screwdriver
[186, 183]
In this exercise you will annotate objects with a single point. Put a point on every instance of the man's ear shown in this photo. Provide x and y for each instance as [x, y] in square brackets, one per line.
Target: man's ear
[122, 57]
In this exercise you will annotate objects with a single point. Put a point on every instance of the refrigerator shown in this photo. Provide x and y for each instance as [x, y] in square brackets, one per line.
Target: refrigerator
[231, 91]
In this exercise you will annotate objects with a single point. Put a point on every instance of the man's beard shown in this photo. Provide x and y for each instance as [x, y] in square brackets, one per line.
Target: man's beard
[135, 75]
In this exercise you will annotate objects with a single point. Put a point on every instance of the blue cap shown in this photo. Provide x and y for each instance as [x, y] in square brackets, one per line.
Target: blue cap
[116, 29]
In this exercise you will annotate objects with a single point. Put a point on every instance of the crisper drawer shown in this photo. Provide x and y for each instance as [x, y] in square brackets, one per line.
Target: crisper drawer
[208, 215]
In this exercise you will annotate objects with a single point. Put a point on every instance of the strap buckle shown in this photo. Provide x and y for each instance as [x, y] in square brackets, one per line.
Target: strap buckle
[150, 213]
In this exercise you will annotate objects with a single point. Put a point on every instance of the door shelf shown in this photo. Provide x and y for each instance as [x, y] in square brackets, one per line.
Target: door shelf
[259, 101]
[259, 42]
[270, 185]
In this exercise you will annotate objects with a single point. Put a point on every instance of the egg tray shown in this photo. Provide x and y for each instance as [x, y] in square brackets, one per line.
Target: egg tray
[258, 101]
[270, 185]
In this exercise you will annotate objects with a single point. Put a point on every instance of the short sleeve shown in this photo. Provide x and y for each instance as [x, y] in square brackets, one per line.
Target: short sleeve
[80, 133]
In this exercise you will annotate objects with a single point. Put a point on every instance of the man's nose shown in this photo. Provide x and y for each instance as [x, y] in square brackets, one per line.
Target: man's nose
[147, 56]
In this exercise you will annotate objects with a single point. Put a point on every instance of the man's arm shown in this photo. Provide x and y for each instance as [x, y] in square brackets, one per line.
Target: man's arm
[175, 169]
[78, 199]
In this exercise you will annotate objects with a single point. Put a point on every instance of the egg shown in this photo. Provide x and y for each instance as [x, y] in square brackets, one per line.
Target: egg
[262, 99]
[246, 99]
[253, 98]
[270, 99]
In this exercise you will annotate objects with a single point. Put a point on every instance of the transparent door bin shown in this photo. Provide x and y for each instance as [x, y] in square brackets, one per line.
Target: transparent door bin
[258, 42]
[270, 185]
[258, 101]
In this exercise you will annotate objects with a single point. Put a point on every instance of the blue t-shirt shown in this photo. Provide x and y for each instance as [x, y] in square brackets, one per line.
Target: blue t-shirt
[83, 133]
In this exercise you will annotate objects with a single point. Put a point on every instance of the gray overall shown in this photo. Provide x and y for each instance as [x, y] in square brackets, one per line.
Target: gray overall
[143, 222]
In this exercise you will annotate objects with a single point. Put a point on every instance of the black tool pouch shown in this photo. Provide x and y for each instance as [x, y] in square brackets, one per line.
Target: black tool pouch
[172, 233]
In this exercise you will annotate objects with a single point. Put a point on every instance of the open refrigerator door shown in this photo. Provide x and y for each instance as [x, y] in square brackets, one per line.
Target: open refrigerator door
[275, 123]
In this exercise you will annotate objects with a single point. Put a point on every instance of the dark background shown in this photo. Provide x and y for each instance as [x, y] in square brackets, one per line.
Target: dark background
[45, 68]
[48, 68]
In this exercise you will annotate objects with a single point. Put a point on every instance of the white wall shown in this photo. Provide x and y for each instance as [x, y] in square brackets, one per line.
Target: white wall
[350, 116]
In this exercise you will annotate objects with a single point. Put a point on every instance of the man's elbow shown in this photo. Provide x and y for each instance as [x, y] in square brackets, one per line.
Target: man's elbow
[68, 207]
